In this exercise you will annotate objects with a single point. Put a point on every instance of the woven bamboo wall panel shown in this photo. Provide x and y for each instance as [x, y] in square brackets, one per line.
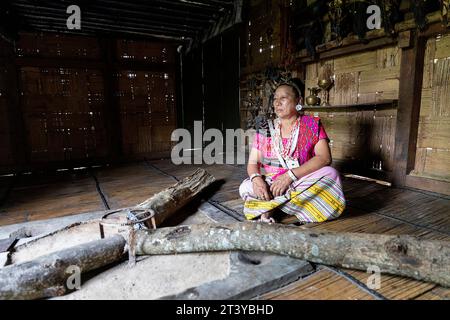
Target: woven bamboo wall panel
[63, 113]
[262, 41]
[48, 45]
[161, 138]
[365, 77]
[151, 52]
[434, 133]
[147, 109]
[346, 88]
[433, 142]
[432, 163]
[367, 136]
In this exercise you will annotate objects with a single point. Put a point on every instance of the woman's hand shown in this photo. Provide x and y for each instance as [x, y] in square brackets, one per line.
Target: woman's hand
[261, 189]
[280, 185]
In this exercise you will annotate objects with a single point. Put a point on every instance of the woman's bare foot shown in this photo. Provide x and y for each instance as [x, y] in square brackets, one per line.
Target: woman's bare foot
[266, 218]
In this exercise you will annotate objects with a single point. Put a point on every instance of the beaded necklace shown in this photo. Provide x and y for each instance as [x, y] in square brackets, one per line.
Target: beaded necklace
[287, 150]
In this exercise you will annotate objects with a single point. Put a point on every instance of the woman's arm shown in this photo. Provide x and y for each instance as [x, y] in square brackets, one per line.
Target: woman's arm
[254, 161]
[260, 187]
[320, 160]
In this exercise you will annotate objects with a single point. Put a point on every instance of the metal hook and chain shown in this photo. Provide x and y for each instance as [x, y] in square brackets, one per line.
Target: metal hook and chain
[135, 221]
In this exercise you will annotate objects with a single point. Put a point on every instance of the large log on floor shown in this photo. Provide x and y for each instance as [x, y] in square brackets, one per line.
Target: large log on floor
[168, 201]
[163, 204]
[47, 275]
[426, 260]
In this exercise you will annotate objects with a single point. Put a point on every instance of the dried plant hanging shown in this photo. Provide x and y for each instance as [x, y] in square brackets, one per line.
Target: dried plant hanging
[420, 9]
[326, 70]
[390, 14]
[358, 12]
[336, 14]
[307, 25]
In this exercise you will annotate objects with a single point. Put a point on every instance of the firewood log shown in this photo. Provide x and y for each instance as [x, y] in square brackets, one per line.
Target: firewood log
[426, 260]
[47, 276]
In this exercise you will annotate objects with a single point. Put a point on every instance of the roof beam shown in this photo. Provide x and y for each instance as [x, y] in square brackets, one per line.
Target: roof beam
[55, 12]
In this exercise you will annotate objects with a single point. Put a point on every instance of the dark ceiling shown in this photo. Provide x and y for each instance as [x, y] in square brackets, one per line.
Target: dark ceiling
[171, 19]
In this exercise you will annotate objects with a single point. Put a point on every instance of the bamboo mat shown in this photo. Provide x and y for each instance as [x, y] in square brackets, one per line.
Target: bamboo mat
[321, 285]
[131, 184]
[37, 197]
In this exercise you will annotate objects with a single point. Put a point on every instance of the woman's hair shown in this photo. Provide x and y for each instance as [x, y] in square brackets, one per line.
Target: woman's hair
[296, 84]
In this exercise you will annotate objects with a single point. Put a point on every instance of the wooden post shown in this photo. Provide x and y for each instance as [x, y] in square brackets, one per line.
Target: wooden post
[410, 93]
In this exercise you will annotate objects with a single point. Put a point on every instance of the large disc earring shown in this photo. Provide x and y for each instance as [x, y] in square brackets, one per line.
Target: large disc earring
[298, 107]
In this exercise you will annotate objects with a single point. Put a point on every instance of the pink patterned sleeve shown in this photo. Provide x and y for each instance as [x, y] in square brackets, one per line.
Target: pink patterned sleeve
[322, 133]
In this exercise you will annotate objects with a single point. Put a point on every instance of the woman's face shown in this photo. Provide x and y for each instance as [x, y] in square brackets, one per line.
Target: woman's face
[284, 102]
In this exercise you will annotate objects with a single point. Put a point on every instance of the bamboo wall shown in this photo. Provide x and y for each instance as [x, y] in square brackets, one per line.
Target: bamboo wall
[365, 134]
[433, 142]
[262, 38]
[264, 43]
[63, 111]
[147, 111]
[48, 45]
[70, 91]
[146, 98]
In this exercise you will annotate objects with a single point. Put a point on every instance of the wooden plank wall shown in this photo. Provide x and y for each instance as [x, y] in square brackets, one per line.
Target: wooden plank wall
[433, 142]
[367, 136]
[365, 77]
[363, 134]
[66, 98]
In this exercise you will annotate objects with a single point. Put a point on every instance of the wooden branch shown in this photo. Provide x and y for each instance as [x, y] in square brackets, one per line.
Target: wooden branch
[426, 260]
[164, 204]
[47, 276]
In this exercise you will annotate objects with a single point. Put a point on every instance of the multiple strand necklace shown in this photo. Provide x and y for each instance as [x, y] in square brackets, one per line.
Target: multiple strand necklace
[287, 150]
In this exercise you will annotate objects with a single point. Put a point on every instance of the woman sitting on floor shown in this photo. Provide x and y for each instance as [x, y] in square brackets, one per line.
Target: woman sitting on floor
[295, 155]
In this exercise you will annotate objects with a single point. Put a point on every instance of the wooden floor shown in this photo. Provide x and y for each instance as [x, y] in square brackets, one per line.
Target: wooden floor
[371, 208]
